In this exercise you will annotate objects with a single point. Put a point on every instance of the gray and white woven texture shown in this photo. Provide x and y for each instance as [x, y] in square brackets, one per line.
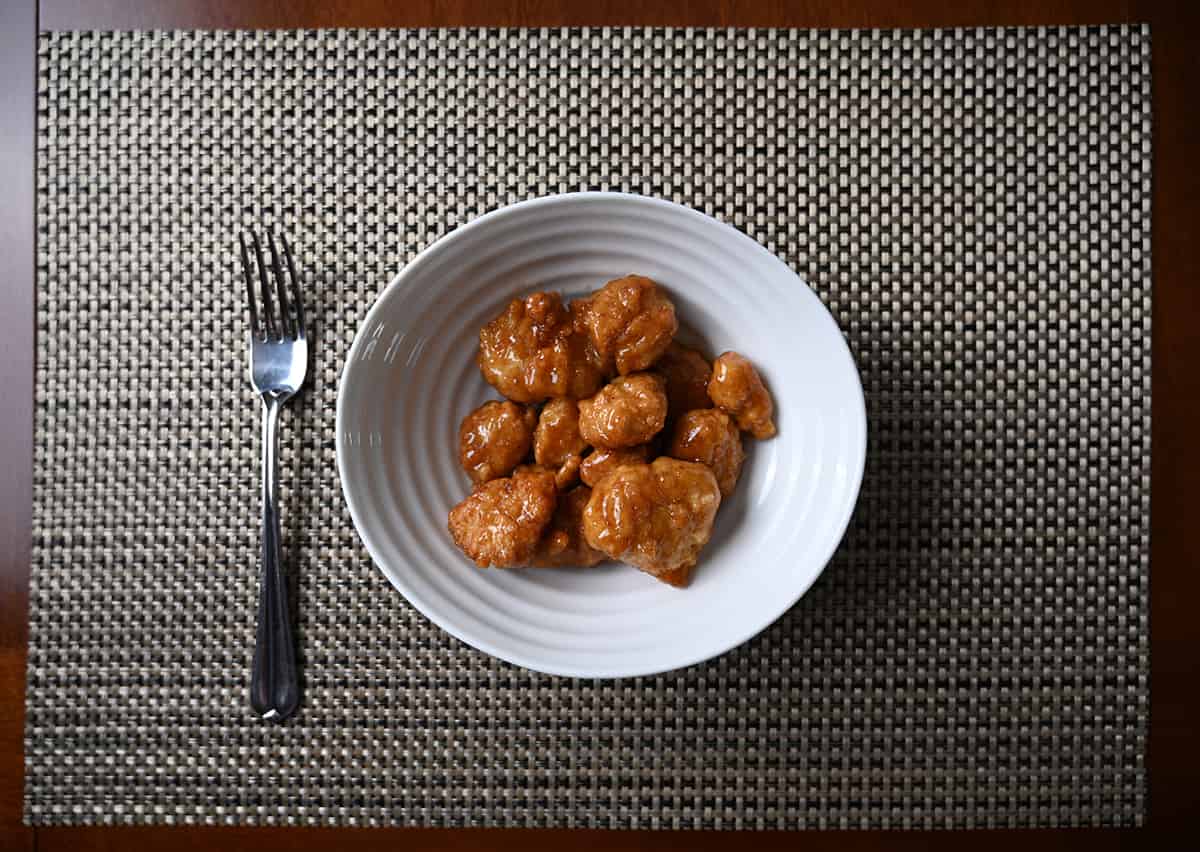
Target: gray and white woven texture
[972, 205]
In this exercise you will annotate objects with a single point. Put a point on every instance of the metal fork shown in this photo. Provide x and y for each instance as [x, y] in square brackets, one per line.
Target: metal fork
[278, 361]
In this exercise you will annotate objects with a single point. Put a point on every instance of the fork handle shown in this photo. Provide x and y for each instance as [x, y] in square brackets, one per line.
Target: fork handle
[274, 679]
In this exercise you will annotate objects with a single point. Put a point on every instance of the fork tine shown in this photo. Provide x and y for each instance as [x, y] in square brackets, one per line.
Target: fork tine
[299, 303]
[268, 307]
[285, 323]
[251, 301]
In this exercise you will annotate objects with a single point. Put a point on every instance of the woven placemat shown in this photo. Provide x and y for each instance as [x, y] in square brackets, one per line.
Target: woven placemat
[972, 205]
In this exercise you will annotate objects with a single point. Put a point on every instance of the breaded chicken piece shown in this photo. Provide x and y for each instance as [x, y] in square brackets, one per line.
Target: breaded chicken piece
[556, 440]
[629, 322]
[657, 517]
[686, 372]
[495, 438]
[563, 542]
[629, 410]
[737, 389]
[709, 437]
[600, 462]
[531, 352]
[499, 524]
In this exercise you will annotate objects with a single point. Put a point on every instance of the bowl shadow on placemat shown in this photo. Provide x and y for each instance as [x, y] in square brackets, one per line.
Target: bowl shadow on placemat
[881, 580]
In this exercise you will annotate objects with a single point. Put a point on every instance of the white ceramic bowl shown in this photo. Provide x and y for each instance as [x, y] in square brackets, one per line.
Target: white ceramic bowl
[410, 377]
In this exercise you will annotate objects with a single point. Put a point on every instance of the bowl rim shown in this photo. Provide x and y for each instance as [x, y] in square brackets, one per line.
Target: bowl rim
[430, 252]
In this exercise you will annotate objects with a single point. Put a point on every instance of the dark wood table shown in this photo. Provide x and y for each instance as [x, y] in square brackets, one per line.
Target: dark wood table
[1174, 794]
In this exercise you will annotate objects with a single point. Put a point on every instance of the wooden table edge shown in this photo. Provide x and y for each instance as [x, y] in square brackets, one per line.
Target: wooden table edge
[1176, 389]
